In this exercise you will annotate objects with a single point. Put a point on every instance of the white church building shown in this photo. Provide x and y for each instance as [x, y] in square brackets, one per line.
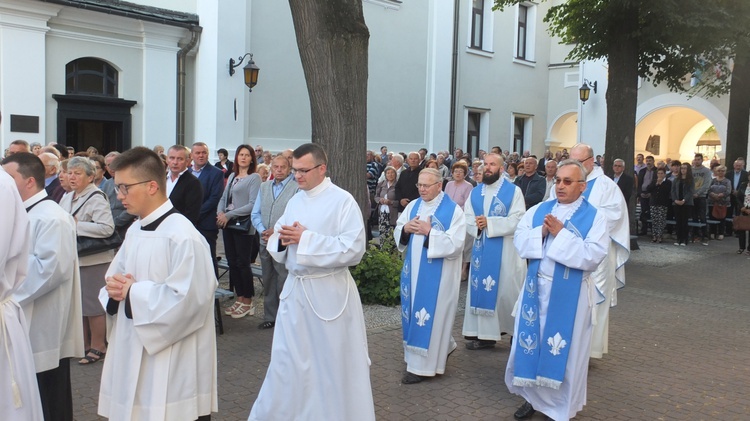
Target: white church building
[442, 74]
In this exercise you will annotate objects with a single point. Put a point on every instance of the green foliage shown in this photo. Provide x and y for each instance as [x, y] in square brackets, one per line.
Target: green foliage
[378, 275]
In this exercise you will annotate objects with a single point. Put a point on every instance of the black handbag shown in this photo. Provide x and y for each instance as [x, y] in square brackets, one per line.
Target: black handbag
[241, 224]
[90, 245]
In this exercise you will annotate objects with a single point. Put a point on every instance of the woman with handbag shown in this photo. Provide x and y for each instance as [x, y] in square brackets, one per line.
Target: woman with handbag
[90, 209]
[741, 223]
[682, 198]
[385, 196]
[240, 237]
[718, 202]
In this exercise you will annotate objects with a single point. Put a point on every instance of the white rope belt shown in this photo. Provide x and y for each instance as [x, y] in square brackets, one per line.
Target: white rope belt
[14, 386]
[300, 278]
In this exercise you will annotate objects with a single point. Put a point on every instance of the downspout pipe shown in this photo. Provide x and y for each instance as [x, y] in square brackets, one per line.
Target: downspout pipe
[195, 32]
[454, 79]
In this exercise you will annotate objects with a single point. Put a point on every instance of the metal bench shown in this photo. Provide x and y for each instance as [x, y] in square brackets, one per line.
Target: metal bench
[222, 294]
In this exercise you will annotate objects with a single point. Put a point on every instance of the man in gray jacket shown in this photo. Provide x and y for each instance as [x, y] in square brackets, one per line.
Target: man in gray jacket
[702, 180]
[268, 208]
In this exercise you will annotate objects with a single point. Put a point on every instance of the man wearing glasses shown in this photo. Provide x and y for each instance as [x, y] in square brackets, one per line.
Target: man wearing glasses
[431, 230]
[564, 240]
[319, 367]
[160, 296]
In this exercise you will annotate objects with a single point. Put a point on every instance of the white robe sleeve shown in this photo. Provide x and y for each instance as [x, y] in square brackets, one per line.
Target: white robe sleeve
[166, 312]
[501, 226]
[528, 240]
[399, 229]
[579, 253]
[346, 248]
[448, 244]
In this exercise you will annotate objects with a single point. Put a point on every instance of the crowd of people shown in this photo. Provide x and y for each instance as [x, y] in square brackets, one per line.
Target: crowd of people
[145, 223]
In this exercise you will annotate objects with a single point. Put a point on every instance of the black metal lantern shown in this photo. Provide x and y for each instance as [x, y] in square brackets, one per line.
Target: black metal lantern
[250, 70]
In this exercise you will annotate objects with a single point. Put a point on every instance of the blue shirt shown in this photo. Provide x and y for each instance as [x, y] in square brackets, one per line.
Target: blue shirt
[255, 215]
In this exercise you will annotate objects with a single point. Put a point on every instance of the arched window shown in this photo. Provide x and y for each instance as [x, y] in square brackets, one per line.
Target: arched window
[90, 76]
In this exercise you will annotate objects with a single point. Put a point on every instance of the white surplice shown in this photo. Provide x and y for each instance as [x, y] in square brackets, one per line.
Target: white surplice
[512, 267]
[607, 197]
[161, 364]
[51, 295]
[447, 245]
[16, 358]
[574, 252]
[320, 367]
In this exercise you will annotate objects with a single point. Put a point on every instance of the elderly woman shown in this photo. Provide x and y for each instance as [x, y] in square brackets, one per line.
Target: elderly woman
[90, 209]
[240, 247]
[719, 194]
[385, 197]
[459, 189]
[263, 171]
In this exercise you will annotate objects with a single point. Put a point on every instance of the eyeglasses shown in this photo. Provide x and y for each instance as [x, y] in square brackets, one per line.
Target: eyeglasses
[426, 186]
[583, 161]
[567, 181]
[123, 188]
[304, 172]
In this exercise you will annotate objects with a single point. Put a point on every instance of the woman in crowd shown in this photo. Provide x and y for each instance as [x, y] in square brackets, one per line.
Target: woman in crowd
[661, 198]
[263, 171]
[718, 201]
[224, 164]
[682, 199]
[459, 189]
[90, 209]
[478, 174]
[512, 172]
[63, 176]
[385, 196]
[744, 210]
[91, 151]
[99, 165]
[159, 150]
[36, 148]
[240, 247]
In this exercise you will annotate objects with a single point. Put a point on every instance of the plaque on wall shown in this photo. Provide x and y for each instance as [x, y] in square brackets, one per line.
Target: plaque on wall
[24, 123]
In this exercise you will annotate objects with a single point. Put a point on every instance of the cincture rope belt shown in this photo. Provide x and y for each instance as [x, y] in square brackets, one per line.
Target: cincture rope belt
[14, 387]
[300, 278]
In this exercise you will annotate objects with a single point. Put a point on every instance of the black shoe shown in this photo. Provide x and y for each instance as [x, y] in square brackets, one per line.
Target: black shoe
[525, 412]
[479, 344]
[411, 378]
[266, 325]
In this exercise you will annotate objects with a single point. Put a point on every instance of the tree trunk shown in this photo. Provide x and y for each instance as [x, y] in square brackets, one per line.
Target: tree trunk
[333, 39]
[739, 107]
[622, 97]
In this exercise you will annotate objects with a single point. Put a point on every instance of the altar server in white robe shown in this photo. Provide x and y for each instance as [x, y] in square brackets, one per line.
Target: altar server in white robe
[431, 230]
[161, 362]
[496, 271]
[19, 396]
[606, 196]
[565, 240]
[320, 368]
[51, 295]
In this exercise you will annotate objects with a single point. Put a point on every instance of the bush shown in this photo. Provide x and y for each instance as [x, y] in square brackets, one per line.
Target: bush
[378, 275]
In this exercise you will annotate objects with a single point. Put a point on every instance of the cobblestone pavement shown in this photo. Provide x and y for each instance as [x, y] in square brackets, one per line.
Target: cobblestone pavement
[679, 350]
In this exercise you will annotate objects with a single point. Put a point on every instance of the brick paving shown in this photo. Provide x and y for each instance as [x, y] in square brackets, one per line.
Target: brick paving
[679, 350]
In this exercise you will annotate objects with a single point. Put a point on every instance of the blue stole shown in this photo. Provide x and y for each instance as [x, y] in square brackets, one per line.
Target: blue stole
[417, 330]
[484, 300]
[589, 187]
[547, 366]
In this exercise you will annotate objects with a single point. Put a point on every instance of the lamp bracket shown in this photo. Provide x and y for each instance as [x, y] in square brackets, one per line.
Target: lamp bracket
[590, 83]
[233, 64]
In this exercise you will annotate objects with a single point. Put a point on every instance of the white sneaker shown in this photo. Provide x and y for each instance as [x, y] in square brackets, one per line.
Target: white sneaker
[720, 237]
[683, 244]
[677, 244]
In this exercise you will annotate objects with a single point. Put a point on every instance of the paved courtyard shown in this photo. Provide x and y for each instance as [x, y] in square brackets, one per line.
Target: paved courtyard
[679, 350]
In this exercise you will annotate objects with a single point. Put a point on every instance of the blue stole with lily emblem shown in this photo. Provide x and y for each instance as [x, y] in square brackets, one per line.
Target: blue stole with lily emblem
[417, 325]
[541, 356]
[485, 278]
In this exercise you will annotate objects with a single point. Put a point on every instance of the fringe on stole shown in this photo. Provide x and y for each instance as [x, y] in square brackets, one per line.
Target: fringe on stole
[415, 350]
[482, 311]
[539, 381]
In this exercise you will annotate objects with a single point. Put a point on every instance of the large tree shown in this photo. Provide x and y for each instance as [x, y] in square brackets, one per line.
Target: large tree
[333, 42]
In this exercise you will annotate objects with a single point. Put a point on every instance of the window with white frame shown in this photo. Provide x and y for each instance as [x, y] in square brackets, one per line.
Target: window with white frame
[525, 35]
[480, 25]
[521, 133]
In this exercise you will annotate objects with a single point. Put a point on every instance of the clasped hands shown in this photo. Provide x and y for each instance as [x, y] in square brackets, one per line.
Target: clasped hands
[291, 234]
[417, 226]
[118, 286]
[551, 225]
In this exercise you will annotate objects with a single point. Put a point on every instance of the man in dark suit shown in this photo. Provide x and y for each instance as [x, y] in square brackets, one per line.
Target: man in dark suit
[51, 180]
[624, 182]
[531, 183]
[212, 181]
[406, 186]
[646, 177]
[737, 177]
[183, 188]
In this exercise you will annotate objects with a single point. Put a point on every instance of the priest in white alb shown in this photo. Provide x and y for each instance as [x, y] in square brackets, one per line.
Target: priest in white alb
[605, 195]
[51, 295]
[320, 367]
[496, 271]
[564, 240]
[431, 230]
[19, 395]
[161, 360]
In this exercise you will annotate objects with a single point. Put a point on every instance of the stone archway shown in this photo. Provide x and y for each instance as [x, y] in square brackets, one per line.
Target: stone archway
[563, 133]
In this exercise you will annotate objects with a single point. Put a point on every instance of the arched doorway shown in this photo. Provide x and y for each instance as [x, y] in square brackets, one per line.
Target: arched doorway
[563, 132]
